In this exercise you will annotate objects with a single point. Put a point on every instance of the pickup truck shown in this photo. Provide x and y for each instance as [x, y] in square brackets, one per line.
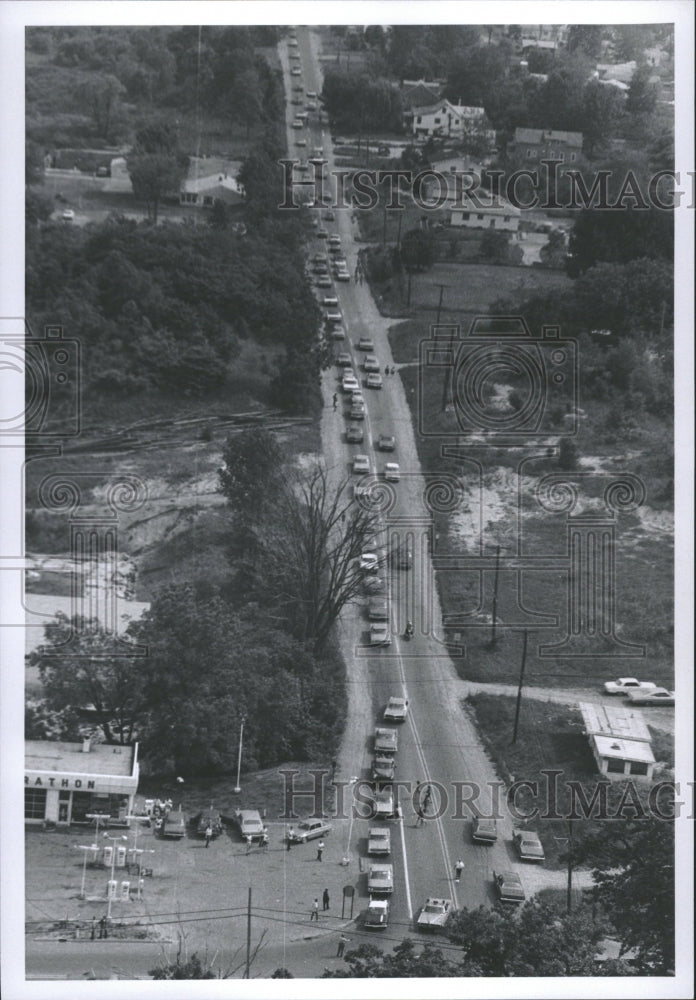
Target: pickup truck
[625, 684]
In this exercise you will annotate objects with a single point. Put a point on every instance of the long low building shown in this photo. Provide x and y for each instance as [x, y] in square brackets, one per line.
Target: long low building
[620, 741]
[65, 783]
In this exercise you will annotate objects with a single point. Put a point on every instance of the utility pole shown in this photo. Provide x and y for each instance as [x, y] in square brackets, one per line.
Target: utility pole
[448, 374]
[495, 595]
[519, 688]
[384, 226]
[439, 304]
[569, 890]
[247, 967]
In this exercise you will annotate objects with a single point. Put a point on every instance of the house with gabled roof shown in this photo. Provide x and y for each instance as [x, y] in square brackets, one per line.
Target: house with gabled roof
[209, 180]
[453, 121]
[530, 145]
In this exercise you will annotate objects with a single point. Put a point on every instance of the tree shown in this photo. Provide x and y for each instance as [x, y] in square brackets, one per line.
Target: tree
[586, 38]
[642, 93]
[309, 543]
[554, 251]
[252, 470]
[619, 236]
[79, 668]
[191, 968]
[417, 250]
[634, 878]
[102, 95]
[155, 165]
[601, 109]
[494, 245]
[370, 962]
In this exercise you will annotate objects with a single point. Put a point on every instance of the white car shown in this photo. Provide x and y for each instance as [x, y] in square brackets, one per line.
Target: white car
[380, 879]
[386, 740]
[309, 829]
[392, 472]
[396, 710]
[338, 333]
[68, 215]
[377, 914]
[341, 275]
[383, 803]
[350, 383]
[374, 381]
[361, 463]
[625, 684]
[329, 301]
[380, 634]
[297, 123]
[434, 914]
[333, 316]
[366, 344]
[296, 71]
[371, 363]
[369, 561]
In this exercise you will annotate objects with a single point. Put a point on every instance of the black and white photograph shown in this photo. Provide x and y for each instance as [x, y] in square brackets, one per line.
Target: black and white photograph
[346, 534]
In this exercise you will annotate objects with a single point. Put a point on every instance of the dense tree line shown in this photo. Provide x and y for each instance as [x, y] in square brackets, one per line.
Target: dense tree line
[360, 102]
[165, 307]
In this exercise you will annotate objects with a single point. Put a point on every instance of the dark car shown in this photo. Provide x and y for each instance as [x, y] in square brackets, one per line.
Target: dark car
[209, 818]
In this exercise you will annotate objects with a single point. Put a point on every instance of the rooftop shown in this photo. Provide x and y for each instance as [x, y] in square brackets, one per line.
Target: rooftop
[609, 721]
[101, 758]
[612, 746]
[539, 135]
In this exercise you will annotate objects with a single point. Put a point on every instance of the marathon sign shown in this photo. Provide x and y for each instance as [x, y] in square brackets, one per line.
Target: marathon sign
[49, 781]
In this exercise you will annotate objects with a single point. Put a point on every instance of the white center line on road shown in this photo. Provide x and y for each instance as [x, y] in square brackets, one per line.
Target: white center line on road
[405, 856]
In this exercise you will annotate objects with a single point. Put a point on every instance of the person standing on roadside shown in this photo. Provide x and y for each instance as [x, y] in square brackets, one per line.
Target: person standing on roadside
[208, 835]
[458, 869]
[320, 850]
[325, 900]
[264, 840]
[103, 929]
[248, 843]
[291, 834]
[342, 942]
[314, 915]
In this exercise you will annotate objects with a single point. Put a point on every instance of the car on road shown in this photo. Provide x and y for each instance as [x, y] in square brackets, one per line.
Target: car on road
[68, 215]
[338, 333]
[484, 831]
[344, 360]
[379, 840]
[656, 696]
[341, 274]
[297, 101]
[300, 141]
[328, 215]
[386, 740]
[382, 769]
[380, 634]
[509, 888]
[311, 106]
[322, 234]
[434, 914]
[371, 363]
[297, 123]
[309, 829]
[382, 804]
[330, 301]
[350, 383]
[528, 845]
[295, 71]
[378, 610]
[392, 473]
[333, 316]
[357, 411]
[625, 684]
[361, 463]
[312, 94]
[249, 824]
[396, 710]
[377, 914]
[323, 281]
[369, 561]
[366, 344]
[354, 434]
[386, 442]
[374, 380]
[373, 585]
[298, 88]
[292, 41]
[380, 878]
[356, 396]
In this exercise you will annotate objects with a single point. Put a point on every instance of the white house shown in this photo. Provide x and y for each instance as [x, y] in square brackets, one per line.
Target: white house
[475, 209]
[455, 121]
[620, 741]
[212, 180]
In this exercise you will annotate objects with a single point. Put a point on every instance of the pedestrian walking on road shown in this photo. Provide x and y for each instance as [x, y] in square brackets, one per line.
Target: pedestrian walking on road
[421, 816]
[335, 400]
[208, 835]
[291, 834]
[325, 900]
[314, 915]
[103, 929]
[458, 869]
[426, 800]
[320, 849]
[342, 942]
[248, 843]
[334, 765]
